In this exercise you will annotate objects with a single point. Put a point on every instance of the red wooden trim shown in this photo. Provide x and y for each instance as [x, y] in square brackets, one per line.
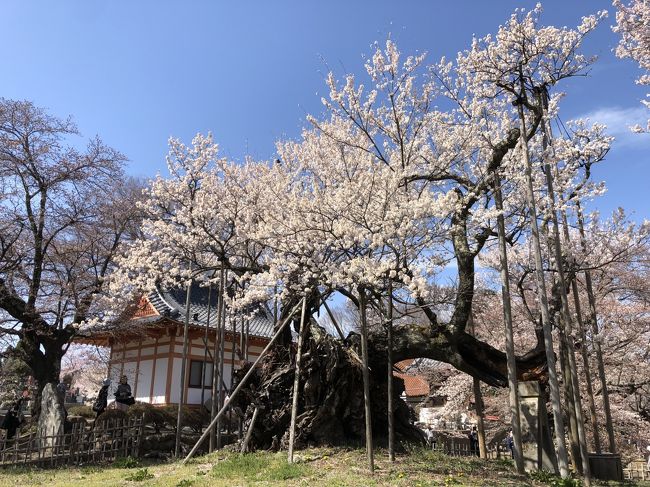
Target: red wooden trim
[177, 355]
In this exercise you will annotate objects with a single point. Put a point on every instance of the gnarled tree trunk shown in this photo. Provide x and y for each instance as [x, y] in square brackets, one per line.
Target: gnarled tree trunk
[331, 404]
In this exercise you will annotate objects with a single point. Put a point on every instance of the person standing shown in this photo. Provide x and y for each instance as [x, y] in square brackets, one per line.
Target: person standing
[473, 441]
[510, 442]
[123, 397]
[101, 402]
[12, 420]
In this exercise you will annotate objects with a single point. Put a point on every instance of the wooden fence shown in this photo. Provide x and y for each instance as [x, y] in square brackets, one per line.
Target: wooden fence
[84, 442]
[462, 448]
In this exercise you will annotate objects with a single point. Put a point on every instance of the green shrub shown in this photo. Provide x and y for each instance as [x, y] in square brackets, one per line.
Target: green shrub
[193, 418]
[140, 475]
[241, 465]
[112, 415]
[126, 462]
[554, 480]
[286, 471]
[259, 466]
[157, 417]
[83, 411]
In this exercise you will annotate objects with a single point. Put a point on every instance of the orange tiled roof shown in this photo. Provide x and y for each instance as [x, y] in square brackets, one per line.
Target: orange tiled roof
[404, 364]
[414, 385]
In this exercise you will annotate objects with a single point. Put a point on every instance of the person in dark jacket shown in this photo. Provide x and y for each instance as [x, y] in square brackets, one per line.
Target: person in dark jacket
[12, 420]
[510, 442]
[473, 441]
[123, 396]
[102, 399]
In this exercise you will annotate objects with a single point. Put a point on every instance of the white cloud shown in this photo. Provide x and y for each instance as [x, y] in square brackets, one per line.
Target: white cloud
[619, 120]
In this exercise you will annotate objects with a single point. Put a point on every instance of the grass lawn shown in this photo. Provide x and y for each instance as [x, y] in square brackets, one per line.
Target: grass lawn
[326, 467]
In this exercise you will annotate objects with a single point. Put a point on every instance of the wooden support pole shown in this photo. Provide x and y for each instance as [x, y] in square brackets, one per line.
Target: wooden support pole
[216, 372]
[249, 432]
[222, 351]
[566, 317]
[243, 382]
[296, 380]
[389, 377]
[206, 347]
[179, 416]
[366, 380]
[331, 315]
[553, 382]
[593, 319]
[511, 360]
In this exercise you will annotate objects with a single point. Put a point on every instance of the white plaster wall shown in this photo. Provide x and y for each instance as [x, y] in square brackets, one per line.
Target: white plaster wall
[176, 381]
[147, 351]
[160, 381]
[129, 371]
[144, 381]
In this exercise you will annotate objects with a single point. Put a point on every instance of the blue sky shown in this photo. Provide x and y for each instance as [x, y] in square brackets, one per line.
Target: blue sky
[137, 72]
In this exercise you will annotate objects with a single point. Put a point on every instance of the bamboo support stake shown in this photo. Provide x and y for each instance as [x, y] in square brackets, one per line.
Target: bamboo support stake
[296, 380]
[277, 334]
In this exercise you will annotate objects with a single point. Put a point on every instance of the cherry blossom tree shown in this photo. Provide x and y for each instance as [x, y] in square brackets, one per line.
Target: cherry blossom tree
[64, 214]
[633, 24]
[391, 184]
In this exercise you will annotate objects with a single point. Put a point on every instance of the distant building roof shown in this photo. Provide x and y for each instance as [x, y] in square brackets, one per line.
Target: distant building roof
[162, 305]
[171, 304]
[414, 385]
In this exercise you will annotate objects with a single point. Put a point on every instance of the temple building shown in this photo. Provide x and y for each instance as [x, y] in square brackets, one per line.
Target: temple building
[147, 346]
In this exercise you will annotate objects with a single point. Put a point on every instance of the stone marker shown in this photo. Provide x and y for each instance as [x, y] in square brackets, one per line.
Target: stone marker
[51, 419]
[539, 452]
